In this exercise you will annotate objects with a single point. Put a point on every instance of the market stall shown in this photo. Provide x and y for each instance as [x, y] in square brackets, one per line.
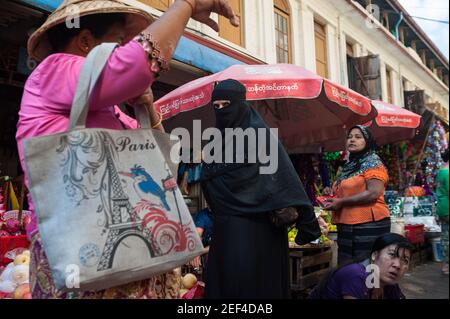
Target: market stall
[14, 244]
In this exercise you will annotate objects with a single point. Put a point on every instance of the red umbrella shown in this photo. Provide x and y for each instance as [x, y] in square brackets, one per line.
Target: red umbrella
[306, 108]
[393, 124]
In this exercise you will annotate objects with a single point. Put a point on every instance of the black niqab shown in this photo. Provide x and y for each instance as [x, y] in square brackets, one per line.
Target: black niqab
[238, 189]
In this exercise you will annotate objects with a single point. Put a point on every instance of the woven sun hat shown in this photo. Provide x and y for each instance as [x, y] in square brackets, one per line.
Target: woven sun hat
[137, 20]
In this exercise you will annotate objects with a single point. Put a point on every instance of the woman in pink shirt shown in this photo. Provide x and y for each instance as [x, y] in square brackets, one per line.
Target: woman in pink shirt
[127, 76]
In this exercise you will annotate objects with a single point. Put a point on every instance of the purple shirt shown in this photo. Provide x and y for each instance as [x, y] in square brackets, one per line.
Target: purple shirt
[350, 280]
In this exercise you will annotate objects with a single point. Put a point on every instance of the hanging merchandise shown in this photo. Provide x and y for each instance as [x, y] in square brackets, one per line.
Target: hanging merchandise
[436, 144]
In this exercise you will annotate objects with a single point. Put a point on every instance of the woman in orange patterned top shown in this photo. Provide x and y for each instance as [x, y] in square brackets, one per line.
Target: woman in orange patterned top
[360, 213]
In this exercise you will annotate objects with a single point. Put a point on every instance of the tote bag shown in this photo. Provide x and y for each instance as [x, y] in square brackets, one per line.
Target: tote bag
[108, 206]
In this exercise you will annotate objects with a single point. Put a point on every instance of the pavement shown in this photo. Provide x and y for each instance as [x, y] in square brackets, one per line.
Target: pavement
[426, 282]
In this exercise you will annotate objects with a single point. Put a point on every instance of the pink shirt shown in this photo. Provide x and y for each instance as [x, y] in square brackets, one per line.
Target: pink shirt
[49, 91]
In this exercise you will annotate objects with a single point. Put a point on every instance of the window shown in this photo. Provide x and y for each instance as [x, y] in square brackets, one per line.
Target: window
[162, 5]
[366, 76]
[321, 50]
[229, 32]
[283, 31]
[389, 86]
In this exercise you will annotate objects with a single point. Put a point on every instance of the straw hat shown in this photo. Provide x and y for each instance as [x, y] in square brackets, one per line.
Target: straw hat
[38, 45]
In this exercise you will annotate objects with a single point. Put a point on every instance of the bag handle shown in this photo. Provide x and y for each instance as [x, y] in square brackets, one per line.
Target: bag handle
[89, 75]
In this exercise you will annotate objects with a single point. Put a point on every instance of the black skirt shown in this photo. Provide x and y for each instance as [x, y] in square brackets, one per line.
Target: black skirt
[356, 241]
[248, 259]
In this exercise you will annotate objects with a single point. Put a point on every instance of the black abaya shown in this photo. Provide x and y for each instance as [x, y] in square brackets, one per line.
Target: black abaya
[248, 259]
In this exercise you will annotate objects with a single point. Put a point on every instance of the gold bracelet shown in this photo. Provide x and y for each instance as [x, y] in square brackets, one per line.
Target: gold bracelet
[159, 121]
[191, 4]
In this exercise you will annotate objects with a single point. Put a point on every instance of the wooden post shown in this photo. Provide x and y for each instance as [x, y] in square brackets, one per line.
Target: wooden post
[423, 56]
[21, 199]
[386, 20]
[421, 152]
[431, 65]
[402, 35]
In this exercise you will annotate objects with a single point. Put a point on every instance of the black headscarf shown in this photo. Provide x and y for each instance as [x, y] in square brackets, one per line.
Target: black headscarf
[359, 162]
[239, 189]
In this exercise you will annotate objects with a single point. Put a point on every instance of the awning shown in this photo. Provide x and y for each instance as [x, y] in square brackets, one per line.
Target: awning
[188, 51]
[48, 5]
[202, 57]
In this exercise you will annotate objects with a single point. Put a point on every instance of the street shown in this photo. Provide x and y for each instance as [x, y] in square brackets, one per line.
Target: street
[426, 282]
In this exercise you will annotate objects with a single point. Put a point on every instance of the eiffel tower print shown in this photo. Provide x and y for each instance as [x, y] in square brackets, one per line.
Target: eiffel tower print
[120, 214]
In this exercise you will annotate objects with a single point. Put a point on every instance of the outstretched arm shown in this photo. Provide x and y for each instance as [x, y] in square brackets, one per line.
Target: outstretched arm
[168, 29]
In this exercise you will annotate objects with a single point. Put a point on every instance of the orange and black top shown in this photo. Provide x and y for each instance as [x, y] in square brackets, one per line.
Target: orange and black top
[360, 214]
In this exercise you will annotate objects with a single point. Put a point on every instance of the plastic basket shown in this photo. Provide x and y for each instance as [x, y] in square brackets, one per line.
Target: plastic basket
[415, 233]
[8, 243]
[14, 214]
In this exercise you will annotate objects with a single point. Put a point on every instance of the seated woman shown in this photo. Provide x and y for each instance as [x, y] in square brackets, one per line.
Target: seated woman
[390, 257]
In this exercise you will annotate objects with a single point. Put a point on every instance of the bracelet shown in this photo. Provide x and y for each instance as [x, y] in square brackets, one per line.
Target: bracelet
[154, 53]
[191, 3]
[159, 122]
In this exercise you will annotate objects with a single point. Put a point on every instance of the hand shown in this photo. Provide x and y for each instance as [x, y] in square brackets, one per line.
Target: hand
[327, 191]
[204, 8]
[196, 262]
[145, 98]
[333, 204]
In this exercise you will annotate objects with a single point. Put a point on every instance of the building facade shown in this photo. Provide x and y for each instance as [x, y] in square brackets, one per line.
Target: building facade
[332, 38]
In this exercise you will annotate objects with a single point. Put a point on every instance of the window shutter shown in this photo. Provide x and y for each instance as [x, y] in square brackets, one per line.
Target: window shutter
[162, 5]
[389, 86]
[227, 31]
[415, 102]
[321, 50]
[367, 76]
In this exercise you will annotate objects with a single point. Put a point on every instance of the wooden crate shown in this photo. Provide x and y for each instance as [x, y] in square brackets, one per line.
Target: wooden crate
[308, 265]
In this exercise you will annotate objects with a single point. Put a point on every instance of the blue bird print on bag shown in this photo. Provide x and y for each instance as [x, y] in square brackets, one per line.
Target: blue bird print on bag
[146, 187]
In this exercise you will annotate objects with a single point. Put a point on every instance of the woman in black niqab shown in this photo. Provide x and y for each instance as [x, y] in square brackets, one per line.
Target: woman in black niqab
[249, 255]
